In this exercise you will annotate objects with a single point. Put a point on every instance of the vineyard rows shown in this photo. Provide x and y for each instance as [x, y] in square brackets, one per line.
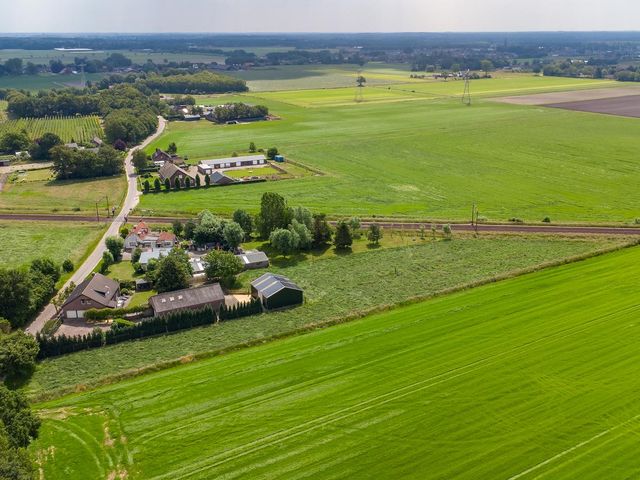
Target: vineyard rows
[78, 129]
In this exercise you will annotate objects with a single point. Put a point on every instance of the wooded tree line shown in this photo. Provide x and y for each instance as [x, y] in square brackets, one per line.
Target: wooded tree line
[18, 425]
[238, 111]
[203, 82]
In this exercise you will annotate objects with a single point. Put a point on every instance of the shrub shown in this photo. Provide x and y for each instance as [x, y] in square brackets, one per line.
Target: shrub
[272, 152]
[546, 220]
[516, 220]
[67, 266]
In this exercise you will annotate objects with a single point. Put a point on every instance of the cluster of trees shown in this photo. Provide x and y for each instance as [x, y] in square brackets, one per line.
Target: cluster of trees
[203, 82]
[15, 66]
[24, 291]
[39, 149]
[306, 57]
[72, 163]
[18, 425]
[443, 60]
[630, 74]
[238, 111]
[171, 272]
[573, 69]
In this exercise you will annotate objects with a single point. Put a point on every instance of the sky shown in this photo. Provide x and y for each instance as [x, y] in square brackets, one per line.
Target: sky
[238, 16]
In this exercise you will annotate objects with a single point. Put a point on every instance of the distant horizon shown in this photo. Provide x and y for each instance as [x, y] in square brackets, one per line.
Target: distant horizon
[310, 16]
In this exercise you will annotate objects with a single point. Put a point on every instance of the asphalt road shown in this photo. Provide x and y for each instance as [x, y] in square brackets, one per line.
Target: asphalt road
[94, 258]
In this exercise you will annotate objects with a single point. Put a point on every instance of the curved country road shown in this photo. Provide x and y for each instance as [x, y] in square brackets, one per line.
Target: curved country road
[94, 258]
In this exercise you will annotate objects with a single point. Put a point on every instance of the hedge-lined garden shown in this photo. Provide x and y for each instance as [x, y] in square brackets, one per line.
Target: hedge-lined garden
[119, 332]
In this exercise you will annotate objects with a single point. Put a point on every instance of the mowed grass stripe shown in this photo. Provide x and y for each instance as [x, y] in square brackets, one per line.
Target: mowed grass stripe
[487, 383]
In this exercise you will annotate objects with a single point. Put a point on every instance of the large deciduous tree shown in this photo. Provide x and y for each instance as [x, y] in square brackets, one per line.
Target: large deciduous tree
[274, 214]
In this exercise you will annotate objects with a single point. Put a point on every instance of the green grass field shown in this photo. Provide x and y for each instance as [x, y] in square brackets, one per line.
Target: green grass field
[301, 77]
[427, 158]
[46, 81]
[79, 129]
[23, 241]
[335, 288]
[34, 193]
[534, 377]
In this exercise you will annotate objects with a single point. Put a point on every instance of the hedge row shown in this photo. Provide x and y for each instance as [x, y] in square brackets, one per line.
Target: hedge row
[240, 310]
[106, 313]
[54, 346]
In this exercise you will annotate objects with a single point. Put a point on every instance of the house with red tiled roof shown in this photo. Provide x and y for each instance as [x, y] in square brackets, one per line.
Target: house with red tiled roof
[142, 237]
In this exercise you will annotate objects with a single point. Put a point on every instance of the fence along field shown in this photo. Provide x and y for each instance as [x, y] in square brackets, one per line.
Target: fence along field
[78, 129]
[512, 380]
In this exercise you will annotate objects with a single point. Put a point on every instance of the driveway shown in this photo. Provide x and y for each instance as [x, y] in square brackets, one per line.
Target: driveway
[94, 258]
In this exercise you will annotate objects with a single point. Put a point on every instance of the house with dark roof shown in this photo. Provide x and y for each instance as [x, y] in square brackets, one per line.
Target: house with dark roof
[276, 291]
[95, 292]
[187, 299]
[162, 156]
[254, 259]
[219, 178]
[174, 174]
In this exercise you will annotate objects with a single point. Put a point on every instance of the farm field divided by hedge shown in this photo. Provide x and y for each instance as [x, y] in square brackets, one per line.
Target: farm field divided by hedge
[534, 377]
[370, 280]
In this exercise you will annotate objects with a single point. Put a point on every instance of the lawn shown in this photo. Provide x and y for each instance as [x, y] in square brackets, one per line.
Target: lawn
[534, 377]
[427, 159]
[24, 241]
[335, 288]
[76, 197]
[78, 129]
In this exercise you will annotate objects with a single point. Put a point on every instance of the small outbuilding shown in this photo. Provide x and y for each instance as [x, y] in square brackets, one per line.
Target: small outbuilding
[219, 178]
[276, 291]
[254, 259]
[187, 299]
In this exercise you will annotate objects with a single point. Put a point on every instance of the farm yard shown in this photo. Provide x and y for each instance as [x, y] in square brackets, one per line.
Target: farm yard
[427, 156]
[24, 241]
[78, 129]
[533, 377]
[421, 268]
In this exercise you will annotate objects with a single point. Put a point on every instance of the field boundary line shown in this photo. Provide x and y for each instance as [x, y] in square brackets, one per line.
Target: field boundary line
[572, 449]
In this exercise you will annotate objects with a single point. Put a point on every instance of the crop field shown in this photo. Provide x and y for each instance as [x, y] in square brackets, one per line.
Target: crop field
[79, 129]
[303, 77]
[23, 241]
[46, 81]
[3, 110]
[427, 158]
[34, 192]
[375, 279]
[534, 377]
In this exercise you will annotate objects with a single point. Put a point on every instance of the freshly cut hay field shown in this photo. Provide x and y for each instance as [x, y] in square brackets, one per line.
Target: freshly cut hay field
[23, 241]
[73, 197]
[79, 129]
[335, 288]
[427, 159]
[534, 377]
